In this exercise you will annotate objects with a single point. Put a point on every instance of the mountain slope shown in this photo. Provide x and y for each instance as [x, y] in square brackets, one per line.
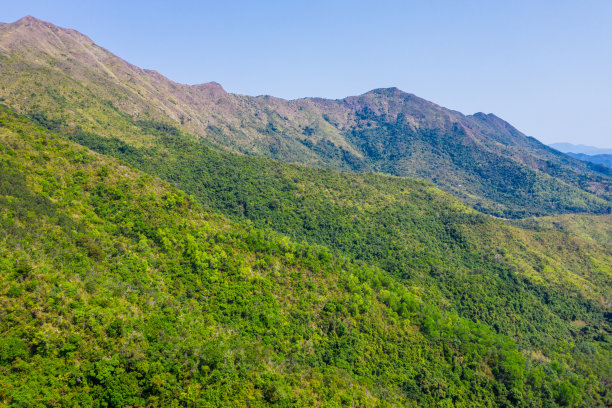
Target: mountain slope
[480, 159]
[544, 289]
[60, 77]
[117, 289]
[597, 229]
[473, 264]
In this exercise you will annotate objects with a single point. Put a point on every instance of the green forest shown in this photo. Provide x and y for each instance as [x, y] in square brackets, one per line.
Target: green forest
[171, 245]
[119, 289]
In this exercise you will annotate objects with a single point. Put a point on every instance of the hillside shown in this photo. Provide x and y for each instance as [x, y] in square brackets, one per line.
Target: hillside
[117, 289]
[123, 235]
[147, 258]
[61, 78]
[596, 229]
[479, 267]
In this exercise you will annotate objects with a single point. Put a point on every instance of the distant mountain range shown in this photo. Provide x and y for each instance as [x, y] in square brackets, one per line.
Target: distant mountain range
[579, 148]
[605, 159]
[582, 152]
[61, 79]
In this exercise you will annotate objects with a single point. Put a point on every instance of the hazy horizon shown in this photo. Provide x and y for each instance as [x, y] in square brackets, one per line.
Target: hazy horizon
[544, 68]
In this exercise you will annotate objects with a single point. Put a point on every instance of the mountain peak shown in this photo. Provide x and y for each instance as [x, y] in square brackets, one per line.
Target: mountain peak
[30, 20]
[391, 91]
[486, 116]
[31, 28]
[212, 88]
[29, 24]
[32, 37]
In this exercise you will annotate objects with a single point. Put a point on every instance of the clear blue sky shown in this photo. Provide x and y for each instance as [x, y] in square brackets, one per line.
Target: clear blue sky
[545, 66]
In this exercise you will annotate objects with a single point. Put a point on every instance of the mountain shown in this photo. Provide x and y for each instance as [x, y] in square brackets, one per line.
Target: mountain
[579, 148]
[61, 78]
[117, 289]
[582, 152]
[605, 159]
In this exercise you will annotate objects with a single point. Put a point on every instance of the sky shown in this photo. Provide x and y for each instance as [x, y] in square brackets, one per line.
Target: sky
[544, 66]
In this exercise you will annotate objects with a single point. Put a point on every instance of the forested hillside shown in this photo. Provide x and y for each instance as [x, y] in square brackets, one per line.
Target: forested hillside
[132, 259]
[149, 258]
[118, 289]
[59, 76]
[532, 285]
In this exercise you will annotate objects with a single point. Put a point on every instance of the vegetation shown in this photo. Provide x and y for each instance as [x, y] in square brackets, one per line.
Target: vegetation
[602, 161]
[592, 228]
[118, 289]
[509, 182]
[129, 250]
[122, 282]
[483, 269]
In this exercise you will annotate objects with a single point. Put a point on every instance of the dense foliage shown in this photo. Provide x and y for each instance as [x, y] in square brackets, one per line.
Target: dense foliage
[480, 268]
[407, 227]
[491, 179]
[117, 289]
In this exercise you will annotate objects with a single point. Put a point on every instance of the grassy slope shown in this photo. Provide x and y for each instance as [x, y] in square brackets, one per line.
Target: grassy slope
[118, 289]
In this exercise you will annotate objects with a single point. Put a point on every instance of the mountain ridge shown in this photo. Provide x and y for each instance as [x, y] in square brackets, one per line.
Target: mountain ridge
[475, 157]
[579, 148]
[604, 159]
